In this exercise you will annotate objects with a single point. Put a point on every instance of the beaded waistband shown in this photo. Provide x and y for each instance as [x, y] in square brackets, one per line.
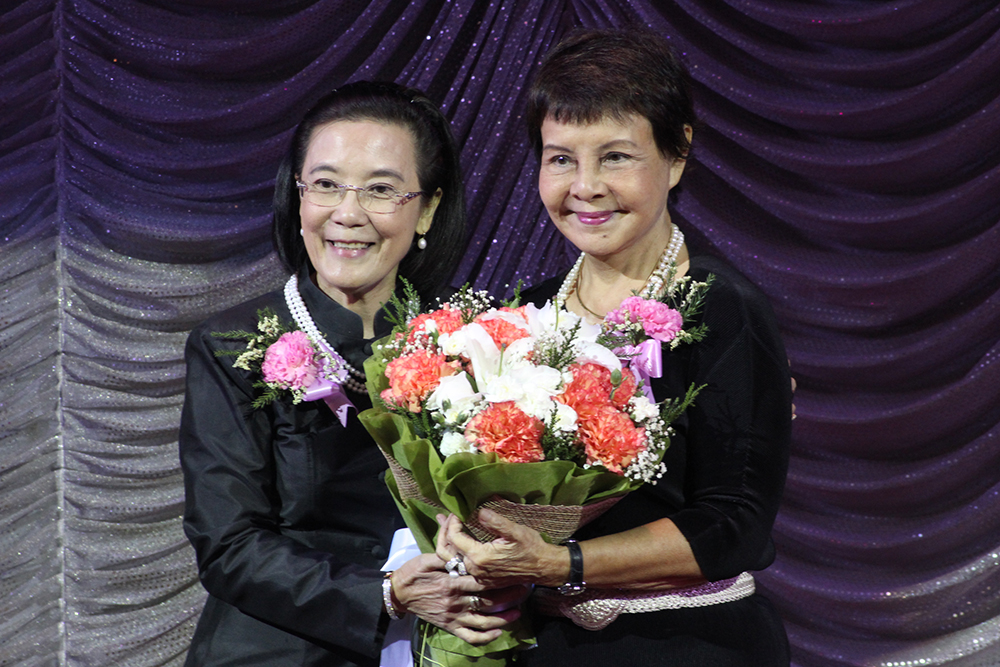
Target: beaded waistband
[595, 609]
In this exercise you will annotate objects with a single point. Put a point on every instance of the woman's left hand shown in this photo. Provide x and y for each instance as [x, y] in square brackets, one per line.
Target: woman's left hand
[518, 555]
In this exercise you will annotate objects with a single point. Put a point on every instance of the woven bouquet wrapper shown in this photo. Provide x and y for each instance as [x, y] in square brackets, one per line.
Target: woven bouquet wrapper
[555, 498]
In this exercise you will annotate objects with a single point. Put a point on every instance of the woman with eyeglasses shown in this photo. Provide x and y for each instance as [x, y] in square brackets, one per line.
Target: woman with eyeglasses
[662, 578]
[286, 506]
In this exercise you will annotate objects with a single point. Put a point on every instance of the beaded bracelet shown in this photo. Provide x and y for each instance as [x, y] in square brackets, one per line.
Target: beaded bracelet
[387, 596]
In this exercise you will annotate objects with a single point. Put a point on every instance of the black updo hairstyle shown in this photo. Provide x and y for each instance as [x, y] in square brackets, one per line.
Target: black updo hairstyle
[437, 167]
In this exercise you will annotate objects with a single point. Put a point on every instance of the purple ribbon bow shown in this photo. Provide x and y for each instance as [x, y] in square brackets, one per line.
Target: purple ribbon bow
[331, 393]
[646, 361]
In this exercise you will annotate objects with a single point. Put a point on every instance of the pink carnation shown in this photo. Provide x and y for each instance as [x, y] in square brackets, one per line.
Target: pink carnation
[515, 436]
[412, 377]
[618, 316]
[658, 320]
[291, 361]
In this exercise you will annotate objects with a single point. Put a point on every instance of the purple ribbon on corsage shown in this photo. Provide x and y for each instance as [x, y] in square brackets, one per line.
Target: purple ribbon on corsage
[332, 394]
[646, 361]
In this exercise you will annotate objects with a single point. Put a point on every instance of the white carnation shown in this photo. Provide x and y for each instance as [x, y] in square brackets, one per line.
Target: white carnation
[538, 406]
[643, 408]
[453, 443]
[453, 344]
[565, 417]
[523, 381]
[500, 388]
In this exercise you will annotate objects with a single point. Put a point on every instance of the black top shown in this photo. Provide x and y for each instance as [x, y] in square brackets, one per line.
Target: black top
[726, 469]
[286, 508]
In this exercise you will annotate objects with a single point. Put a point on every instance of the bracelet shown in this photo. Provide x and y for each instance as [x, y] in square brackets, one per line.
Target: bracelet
[575, 585]
[390, 609]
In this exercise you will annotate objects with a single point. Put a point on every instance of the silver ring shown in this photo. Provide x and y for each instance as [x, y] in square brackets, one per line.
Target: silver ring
[475, 603]
[455, 566]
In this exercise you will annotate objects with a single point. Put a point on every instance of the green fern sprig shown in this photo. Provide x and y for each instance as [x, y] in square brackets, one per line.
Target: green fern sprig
[561, 353]
[672, 408]
[400, 311]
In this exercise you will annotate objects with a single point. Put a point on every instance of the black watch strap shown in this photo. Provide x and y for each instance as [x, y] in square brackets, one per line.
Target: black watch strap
[575, 585]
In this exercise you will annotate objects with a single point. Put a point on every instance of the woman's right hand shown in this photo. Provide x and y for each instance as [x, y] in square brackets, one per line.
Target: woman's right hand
[422, 586]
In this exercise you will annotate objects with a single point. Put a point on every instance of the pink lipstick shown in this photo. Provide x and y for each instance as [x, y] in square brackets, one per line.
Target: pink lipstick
[594, 217]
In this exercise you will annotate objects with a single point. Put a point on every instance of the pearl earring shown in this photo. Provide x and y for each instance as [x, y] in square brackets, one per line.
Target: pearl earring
[421, 243]
[302, 233]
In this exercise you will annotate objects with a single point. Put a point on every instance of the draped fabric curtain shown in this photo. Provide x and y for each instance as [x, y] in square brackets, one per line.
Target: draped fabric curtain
[849, 164]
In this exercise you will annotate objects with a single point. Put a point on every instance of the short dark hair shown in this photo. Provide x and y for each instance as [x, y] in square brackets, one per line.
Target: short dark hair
[437, 167]
[595, 74]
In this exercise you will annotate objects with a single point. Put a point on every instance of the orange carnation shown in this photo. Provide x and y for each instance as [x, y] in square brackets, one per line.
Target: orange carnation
[611, 439]
[413, 376]
[447, 321]
[507, 430]
[588, 391]
[591, 389]
[520, 310]
[500, 330]
[625, 390]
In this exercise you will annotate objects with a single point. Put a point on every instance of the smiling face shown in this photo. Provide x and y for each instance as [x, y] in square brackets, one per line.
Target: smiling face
[356, 253]
[605, 186]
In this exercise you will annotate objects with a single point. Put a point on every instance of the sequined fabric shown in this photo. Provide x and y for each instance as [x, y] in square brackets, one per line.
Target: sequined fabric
[848, 165]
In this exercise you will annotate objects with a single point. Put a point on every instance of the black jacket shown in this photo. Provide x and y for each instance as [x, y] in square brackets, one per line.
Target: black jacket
[286, 508]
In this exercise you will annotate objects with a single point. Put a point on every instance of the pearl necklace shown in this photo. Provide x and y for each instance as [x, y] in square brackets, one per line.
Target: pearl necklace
[654, 284]
[305, 321]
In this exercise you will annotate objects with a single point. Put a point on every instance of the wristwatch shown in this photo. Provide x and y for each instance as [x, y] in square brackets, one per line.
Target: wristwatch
[576, 584]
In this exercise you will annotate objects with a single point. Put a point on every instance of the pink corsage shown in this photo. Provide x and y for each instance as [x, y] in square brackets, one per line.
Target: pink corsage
[639, 328]
[288, 361]
[291, 362]
[657, 319]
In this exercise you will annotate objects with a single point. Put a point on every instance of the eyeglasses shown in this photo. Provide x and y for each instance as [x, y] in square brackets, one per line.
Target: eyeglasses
[378, 198]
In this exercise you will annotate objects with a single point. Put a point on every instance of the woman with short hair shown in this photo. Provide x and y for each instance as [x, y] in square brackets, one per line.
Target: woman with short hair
[662, 578]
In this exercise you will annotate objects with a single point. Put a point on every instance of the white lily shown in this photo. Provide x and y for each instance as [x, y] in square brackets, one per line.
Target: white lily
[455, 392]
[597, 354]
[549, 319]
[483, 353]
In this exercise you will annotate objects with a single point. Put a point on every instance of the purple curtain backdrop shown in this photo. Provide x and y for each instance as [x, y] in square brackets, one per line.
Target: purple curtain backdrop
[849, 165]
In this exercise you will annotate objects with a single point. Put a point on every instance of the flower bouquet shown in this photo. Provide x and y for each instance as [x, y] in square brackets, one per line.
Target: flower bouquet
[528, 411]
